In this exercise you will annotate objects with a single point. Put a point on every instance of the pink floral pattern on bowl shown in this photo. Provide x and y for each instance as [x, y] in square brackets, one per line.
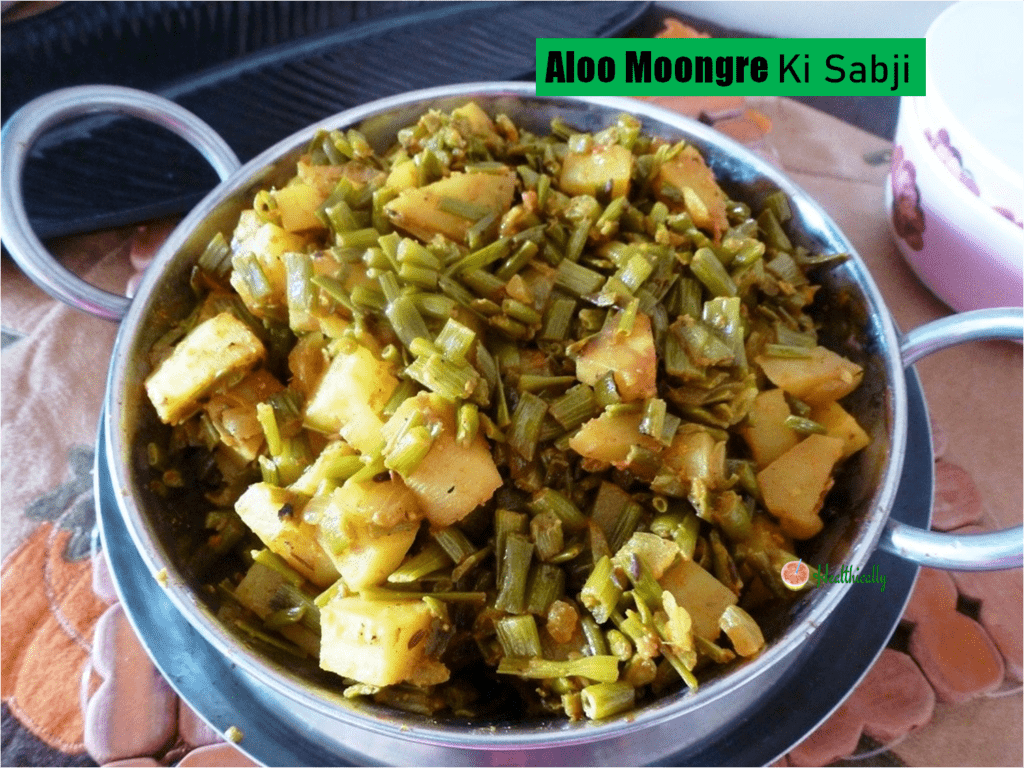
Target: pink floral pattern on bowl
[953, 159]
[907, 215]
[1006, 213]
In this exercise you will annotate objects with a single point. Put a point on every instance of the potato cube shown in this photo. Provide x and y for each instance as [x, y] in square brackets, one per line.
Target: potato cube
[689, 181]
[297, 205]
[233, 413]
[267, 242]
[350, 397]
[252, 234]
[367, 528]
[258, 588]
[260, 592]
[588, 173]
[322, 467]
[378, 642]
[656, 553]
[211, 352]
[452, 480]
[609, 437]
[419, 211]
[703, 596]
[324, 178]
[403, 175]
[794, 485]
[696, 455]
[274, 514]
[631, 357]
[839, 423]
[307, 363]
[821, 378]
[472, 118]
[765, 431]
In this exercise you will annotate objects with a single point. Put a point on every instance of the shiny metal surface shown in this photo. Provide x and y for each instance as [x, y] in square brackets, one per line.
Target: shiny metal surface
[278, 731]
[974, 552]
[653, 731]
[29, 123]
[966, 552]
[854, 320]
[979, 325]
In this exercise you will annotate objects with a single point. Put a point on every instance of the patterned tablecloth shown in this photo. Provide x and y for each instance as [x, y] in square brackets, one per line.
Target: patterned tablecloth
[78, 689]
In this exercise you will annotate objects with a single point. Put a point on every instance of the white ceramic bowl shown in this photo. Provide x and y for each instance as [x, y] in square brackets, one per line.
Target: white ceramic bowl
[968, 254]
[973, 113]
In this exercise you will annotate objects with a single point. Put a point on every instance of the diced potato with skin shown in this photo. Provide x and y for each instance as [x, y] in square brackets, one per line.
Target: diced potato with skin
[703, 596]
[297, 204]
[233, 412]
[350, 397]
[275, 515]
[765, 431]
[367, 529]
[418, 210]
[210, 353]
[841, 424]
[706, 202]
[378, 642]
[794, 485]
[588, 173]
[452, 480]
[631, 357]
[609, 437]
[821, 378]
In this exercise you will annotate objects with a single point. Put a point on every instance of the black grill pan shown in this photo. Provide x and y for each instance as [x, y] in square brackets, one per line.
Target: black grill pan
[149, 44]
[268, 70]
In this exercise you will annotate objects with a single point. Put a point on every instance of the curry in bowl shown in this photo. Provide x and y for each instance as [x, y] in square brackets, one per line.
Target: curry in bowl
[494, 411]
